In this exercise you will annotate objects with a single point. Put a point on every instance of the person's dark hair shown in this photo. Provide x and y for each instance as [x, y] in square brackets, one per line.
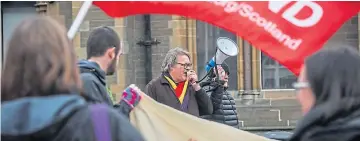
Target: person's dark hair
[40, 61]
[101, 39]
[334, 77]
[224, 66]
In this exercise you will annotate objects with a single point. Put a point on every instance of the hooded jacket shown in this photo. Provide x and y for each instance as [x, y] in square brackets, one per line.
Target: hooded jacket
[94, 86]
[58, 118]
[94, 82]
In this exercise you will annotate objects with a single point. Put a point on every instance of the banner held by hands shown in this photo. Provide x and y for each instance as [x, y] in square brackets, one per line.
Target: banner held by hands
[152, 120]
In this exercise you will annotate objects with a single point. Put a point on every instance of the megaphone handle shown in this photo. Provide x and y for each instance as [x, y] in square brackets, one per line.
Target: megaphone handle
[203, 77]
[215, 67]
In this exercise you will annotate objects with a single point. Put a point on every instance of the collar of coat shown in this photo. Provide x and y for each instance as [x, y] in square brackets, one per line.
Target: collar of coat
[166, 78]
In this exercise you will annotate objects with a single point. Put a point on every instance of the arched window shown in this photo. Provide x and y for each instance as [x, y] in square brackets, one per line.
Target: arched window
[274, 75]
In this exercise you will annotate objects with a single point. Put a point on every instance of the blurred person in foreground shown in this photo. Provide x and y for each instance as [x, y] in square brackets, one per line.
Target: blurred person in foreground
[177, 86]
[223, 103]
[41, 91]
[329, 94]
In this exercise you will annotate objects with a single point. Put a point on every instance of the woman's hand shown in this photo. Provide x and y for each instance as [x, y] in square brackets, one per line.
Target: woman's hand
[221, 72]
[222, 75]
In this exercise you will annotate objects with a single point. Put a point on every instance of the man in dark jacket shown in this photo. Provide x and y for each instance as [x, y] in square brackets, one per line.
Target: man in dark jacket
[177, 86]
[103, 51]
[223, 102]
[94, 81]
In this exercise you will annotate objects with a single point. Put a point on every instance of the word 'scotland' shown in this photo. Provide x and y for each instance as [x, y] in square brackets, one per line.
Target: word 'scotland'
[247, 11]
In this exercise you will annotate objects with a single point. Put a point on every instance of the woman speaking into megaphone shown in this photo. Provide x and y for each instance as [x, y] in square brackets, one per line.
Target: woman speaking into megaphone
[223, 103]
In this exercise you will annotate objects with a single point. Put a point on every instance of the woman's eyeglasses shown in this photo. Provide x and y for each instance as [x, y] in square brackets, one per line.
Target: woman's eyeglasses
[301, 85]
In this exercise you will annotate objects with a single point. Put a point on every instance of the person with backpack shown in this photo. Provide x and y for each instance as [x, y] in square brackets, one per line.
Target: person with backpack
[41, 91]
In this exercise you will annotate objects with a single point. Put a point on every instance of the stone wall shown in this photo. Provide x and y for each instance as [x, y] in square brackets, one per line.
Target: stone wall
[162, 31]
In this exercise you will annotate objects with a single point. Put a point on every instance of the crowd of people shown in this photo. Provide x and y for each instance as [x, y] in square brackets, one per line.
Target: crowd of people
[47, 94]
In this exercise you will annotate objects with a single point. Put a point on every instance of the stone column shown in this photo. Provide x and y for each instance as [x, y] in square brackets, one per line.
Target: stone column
[256, 70]
[240, 66]
[184, 35]
[247, 95]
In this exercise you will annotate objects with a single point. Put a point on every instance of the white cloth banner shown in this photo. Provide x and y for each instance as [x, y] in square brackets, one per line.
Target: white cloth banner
[158, 122]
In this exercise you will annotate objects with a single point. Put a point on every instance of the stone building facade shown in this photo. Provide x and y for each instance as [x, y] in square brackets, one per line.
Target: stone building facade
[262, 87]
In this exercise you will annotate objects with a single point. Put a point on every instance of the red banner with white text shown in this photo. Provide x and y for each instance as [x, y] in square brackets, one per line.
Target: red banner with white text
[287, 31]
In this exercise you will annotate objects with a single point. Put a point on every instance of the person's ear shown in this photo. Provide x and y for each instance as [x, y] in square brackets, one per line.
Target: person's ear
[111, 53]
[170, 68]
[120, 52]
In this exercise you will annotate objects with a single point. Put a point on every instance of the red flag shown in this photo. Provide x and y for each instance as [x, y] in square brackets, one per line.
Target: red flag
[284, 30]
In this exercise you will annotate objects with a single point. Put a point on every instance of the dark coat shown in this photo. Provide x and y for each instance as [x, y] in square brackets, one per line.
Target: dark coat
[94, 85]
[58, 118]
[94, 82]
[199, 102]
[341, 125]
[224, 107]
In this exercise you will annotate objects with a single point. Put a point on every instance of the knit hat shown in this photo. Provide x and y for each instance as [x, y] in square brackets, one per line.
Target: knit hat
[224, 66]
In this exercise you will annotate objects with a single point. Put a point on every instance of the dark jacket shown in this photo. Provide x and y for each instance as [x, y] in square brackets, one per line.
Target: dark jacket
[341, 125]
[198, 102]
[94, 85]
[58, 118]
[224, 107]
[94, 82]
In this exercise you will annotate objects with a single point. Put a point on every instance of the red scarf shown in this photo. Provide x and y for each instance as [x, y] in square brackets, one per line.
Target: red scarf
[179, 89]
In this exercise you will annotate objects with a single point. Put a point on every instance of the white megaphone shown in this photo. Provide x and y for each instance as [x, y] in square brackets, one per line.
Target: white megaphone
[225, 48]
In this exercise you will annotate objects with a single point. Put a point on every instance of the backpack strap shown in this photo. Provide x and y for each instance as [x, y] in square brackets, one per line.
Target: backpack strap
[100, 120]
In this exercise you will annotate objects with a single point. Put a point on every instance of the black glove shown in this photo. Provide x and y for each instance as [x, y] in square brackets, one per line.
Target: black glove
[218, 84]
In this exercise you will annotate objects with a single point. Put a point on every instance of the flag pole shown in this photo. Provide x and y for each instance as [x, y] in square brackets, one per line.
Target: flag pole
[79, 19]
